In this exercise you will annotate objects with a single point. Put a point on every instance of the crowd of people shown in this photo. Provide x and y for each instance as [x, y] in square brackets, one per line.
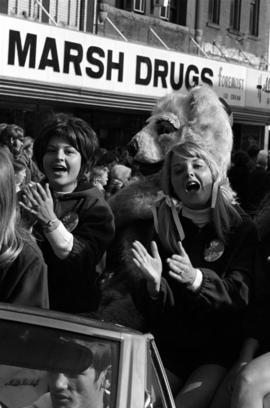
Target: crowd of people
[249, 176]
[203, 264]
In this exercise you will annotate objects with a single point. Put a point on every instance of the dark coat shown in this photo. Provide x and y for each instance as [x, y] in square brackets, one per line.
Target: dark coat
[73, 281]
[24, 282]
[206, 326]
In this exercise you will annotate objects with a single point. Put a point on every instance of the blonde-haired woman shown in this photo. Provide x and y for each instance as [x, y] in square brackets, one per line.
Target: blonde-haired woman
[23, 272]
[199, 273]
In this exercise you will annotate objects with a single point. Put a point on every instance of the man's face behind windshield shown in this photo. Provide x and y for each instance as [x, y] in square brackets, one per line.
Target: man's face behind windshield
[77, 390]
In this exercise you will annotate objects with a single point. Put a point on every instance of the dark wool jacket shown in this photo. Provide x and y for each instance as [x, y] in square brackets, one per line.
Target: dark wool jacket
[24, 282]
[73, 281]
[205, 326]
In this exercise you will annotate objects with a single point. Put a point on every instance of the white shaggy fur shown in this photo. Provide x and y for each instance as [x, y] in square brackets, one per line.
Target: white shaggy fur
[198, 116]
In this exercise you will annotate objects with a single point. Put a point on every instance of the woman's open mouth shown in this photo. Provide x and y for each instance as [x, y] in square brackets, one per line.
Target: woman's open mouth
[192, 186]
[59, 169]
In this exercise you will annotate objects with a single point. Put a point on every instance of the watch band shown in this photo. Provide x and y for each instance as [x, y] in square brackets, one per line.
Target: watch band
[51, 222]
[51, 225]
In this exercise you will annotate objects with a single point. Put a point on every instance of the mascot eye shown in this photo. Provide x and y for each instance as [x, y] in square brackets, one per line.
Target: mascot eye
[164, 126]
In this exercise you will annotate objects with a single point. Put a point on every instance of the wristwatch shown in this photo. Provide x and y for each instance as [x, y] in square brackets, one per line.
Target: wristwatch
[50, 222]
[51, 225]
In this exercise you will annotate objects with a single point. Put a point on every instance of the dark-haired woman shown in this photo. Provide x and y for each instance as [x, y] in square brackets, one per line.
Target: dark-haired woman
[75, 224]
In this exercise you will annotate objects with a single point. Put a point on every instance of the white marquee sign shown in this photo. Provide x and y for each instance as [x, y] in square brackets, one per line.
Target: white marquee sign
[40, 53]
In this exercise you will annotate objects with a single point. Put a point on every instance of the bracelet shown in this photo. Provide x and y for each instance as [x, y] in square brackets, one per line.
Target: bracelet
[51, 222]
[50, 225]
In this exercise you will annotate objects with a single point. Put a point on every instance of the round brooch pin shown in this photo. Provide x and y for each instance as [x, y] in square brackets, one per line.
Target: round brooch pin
[214, 250]
[70, 220]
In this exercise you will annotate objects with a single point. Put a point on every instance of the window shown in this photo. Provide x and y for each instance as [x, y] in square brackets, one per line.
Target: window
[178, 12]
[235, 15]
[32, 355]
[4, 6]
[214, 11]
[82, 15]
[131, 5]
[254, 17]
[139, 5]
[44, 16]
[164, 12]
[174, 11]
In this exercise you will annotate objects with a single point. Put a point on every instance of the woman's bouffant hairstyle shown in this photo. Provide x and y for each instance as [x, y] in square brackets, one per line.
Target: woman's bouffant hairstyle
[11, 233]
[10, 131]
[224, 213]
[78, 133]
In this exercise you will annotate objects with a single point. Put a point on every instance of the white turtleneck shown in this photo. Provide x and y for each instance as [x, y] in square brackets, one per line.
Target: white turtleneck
[199, 218]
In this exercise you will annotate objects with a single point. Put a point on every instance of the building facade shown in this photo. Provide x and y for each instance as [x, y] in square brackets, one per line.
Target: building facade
[108, 61]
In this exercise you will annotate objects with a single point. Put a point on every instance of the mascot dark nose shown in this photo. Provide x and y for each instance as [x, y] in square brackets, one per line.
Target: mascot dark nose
[132, 147]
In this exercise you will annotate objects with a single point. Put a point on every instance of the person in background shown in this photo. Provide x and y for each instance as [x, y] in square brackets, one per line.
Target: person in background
[238, 176]
[28, 146]
[28, 143]
[19, 166]
[12, 136]
[74, 223]
[198, 274]
[258, 183]
[119, 177]
[106, 157]
[23, 272]
[99, 178]
[253, 153]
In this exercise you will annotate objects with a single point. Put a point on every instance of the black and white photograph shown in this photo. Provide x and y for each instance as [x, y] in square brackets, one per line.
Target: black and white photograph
[134, 203]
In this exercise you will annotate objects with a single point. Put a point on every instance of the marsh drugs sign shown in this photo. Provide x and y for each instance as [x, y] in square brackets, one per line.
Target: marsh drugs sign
[36, 52]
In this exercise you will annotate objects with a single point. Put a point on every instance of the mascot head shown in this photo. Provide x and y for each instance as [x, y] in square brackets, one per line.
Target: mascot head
[200, 116]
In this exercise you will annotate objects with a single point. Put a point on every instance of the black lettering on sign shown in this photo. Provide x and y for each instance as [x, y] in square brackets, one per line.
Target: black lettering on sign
[139, 61]
[161, 71]
[75, 59]
[115, 65]
[49, 49]
[177, 85]
[194, 80]
[30, 47]
[204, 76]
[95, 61]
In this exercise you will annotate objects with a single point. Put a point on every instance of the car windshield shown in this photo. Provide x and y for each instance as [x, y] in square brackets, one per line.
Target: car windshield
[46, 367]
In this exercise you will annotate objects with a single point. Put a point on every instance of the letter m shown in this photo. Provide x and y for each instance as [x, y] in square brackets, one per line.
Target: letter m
[29, 47]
